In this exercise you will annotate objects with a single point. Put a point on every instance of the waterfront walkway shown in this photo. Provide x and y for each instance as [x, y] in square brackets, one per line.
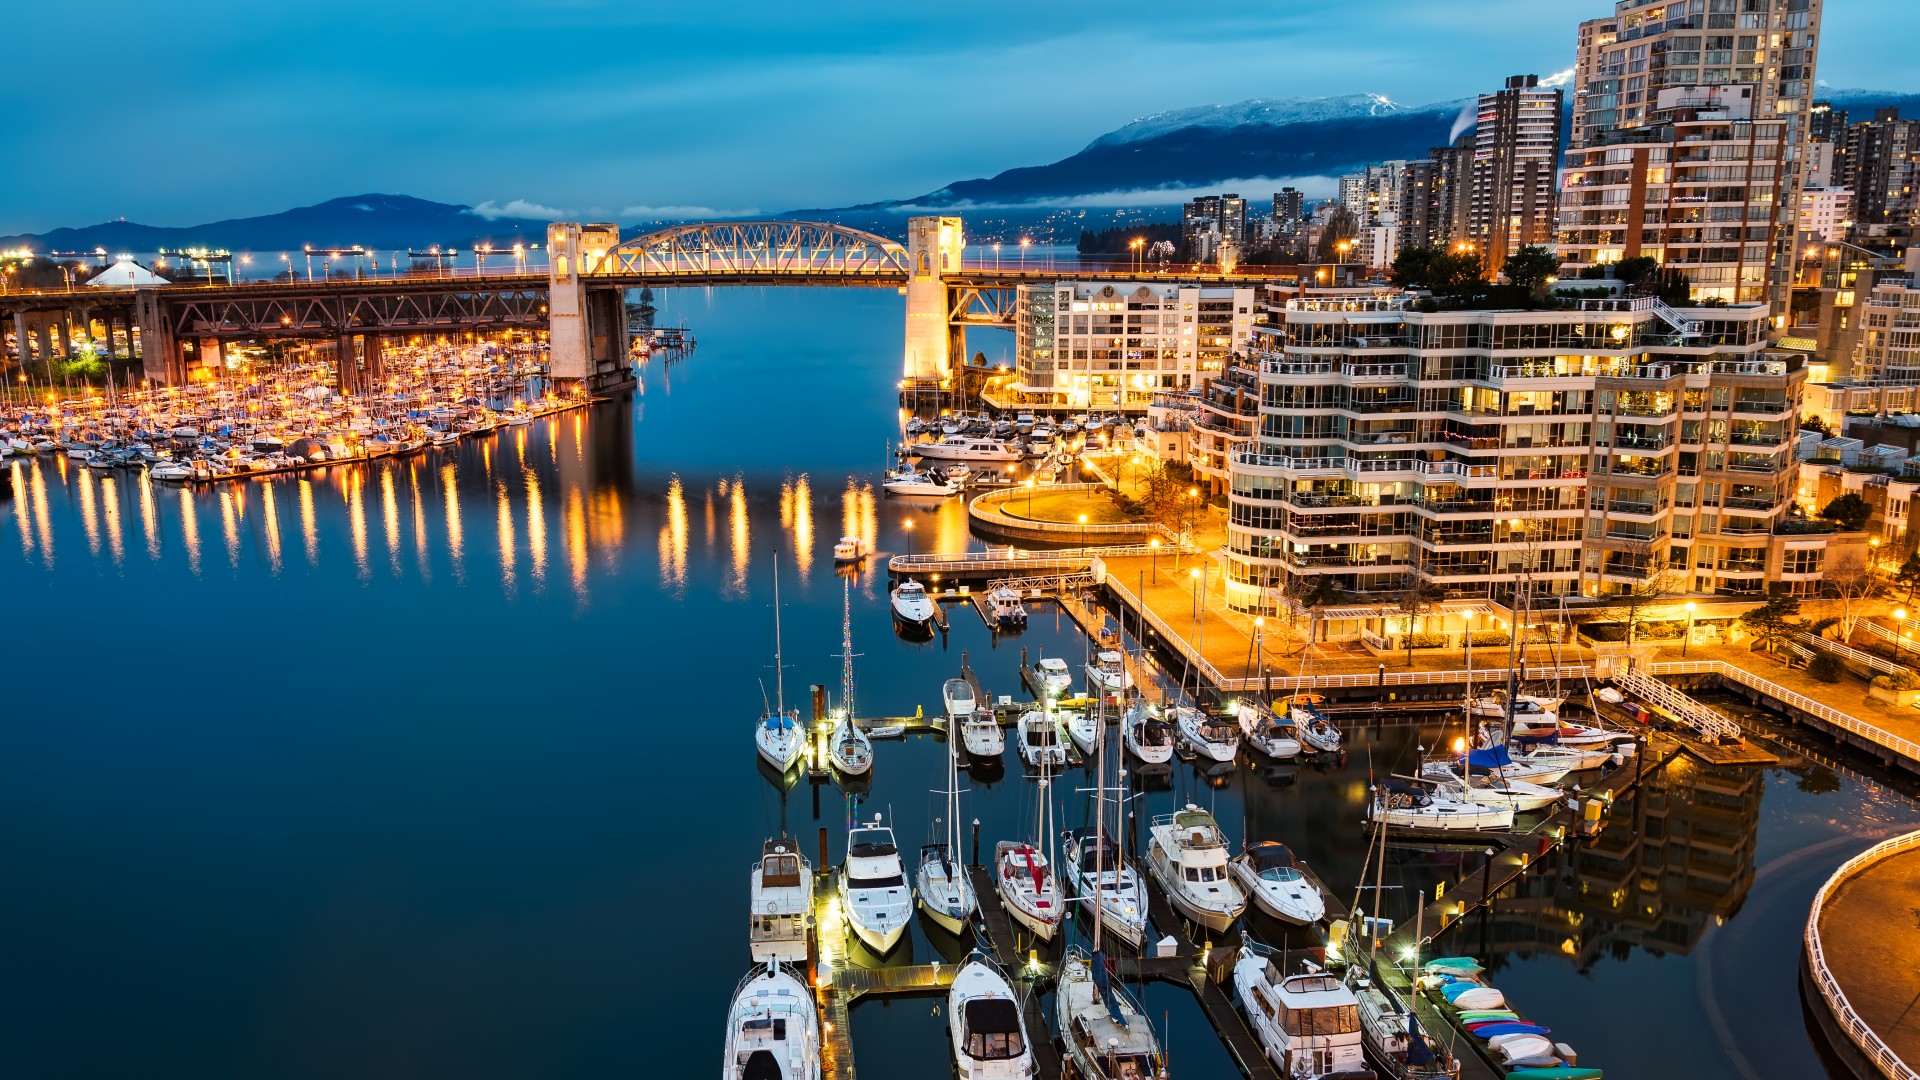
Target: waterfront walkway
[1861, 939]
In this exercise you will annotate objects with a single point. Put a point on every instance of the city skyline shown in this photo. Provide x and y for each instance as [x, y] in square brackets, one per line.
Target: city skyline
[595, 111]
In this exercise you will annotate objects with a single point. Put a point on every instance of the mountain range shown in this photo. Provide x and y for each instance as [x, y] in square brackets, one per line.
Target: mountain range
[1155, 161]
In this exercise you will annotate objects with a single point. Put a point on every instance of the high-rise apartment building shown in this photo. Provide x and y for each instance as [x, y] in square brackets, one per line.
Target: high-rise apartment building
[1417, 203]
[1233, 220]
[1289, 209]
[1087, 345]
[1882, 166]
[1626, 62]
[1700, 183]
[1890, 329]
[1586, 450]
[1450, 199]
[1516, 147]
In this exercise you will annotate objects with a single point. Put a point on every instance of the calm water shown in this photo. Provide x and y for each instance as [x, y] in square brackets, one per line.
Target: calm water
[443, 767]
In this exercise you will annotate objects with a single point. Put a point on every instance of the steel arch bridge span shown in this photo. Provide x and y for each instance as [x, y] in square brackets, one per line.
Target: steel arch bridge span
[759, 249]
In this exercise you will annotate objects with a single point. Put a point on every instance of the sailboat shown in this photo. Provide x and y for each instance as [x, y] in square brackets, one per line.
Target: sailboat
[773, 1032]
[1096, 868]
[848, 747]
[780, 736]
[946, 894]
[1025, 882]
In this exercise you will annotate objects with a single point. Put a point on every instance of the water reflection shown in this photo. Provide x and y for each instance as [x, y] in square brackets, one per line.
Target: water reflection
[356, 482]
[150, 519]
[503, 513]
[270, 514]
[190, 530]
[390, 519]
[673, 538]
[740, 531]
[455, 542]
[110, 503]
[536, 526]
[309, 531]
[88, 514]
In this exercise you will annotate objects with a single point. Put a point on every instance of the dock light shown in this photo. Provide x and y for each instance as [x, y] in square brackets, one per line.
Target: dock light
[1407, 955]
[1459, 745]
[1900, 614]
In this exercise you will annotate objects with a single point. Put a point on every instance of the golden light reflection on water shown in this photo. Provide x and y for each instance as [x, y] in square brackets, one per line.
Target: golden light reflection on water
[41, 521]
[673, 537]
[309, 531]
[536, 529]
[230, 527]
[796, 515]
[357, 521]
[149, 517]
[421, 554]
[741, 534]
[713, 530]
[859, 514]
[608, 525]
[456, 542]
[270, 519]
[89, 512]
[390, 519]
[110, 502]
[503, 514]
[576, 527]
[190, 530]
[22, 515]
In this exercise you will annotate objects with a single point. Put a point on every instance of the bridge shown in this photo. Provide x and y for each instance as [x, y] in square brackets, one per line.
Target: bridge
[579, 300]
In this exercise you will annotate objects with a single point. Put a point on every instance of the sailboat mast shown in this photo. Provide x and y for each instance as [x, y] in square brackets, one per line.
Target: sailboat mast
[1099, 812]
[846, 648]
[779, 669]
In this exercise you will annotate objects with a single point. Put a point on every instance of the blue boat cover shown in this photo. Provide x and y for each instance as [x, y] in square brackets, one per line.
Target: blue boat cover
[779, 723]
[1511, 1027]
[1491, 758]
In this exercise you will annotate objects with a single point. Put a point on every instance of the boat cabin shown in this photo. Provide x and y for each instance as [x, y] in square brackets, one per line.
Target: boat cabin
[993, 1029]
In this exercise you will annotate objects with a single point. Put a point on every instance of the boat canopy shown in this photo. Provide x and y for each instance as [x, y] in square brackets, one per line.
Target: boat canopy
[1492, 757]
[1268, 855]
[993, 1029]
[779, 722]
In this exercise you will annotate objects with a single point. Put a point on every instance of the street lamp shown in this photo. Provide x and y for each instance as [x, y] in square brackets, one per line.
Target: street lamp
[1083, 532]
[908, 525]
[1029, 498]
[1025, 243]
[1153, 545]
[1689, 638]
[1900, 624]
[996, 257]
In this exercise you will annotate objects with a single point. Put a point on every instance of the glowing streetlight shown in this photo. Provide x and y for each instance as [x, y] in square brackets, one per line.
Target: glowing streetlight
[1689, 638]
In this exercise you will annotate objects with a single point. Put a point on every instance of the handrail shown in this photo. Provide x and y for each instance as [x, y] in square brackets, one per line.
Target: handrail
[1864, 1038]
[1906, 748]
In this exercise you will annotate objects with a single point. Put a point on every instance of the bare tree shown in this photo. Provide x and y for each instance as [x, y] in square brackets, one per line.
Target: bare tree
[1416, 598]
[1305, 595]
[1634, 604]
[1849, 584]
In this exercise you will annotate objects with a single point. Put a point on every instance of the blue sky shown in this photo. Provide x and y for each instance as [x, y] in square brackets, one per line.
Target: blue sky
[180, 113]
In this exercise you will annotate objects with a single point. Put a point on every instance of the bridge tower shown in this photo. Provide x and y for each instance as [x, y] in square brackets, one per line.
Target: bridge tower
[588, 325]
[933, 343]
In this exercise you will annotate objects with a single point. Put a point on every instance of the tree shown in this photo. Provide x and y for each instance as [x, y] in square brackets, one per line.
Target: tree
[1826, 667]
[1445, 273]
[1633, 604]
[1772, 622]
[1908, 576]
[1850, 511]
[1415, 599]
[1530, 267]
[1305, 594]
[1810, 422]
[1849, 585]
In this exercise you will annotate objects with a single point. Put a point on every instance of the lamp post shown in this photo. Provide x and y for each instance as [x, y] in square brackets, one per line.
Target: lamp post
[1029, 498]
[908, 526]
[1025, 243]
[1900, 624]
[1083, 532]
[1689, 638]
[996, 257]
[1153, 545]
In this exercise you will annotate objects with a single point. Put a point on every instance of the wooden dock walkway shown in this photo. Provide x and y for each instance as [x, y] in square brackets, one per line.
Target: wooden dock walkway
[857, 982]
[1005, 949]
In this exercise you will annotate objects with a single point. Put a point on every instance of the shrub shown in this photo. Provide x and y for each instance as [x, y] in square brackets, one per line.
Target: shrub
[1903, 681]
[1604, 631]
[1425, 641]
[1827, 668]
[1490, 637]
[1881, 682]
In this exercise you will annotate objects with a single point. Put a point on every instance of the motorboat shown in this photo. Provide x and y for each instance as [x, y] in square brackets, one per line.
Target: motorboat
[1107, 672]
[985, 1022]
[1051, 677]
[773, 1032]
[780, 736]
[1187, 854]
[946, 892]
[1214, 737]
[967, 448]
[1107, 1036]
[170, 471]
[781, 904]
[1006, 610]
[1104, 871]
[1496, 762]
[1039, 740]
[1308, 1024]
[1536, 707]
[1403, 806]
[873, 887]
[1272, 878]
[1145, 734]
[914, 482]
[1264, 731]
[1028, 888]
[1561, 733]
[849, 748]
[1572, 758]
[912, 607]
[1490, 790]
[981, 735]
[850, 549]
[957, 694]
[1312, 727]
[1081, 727]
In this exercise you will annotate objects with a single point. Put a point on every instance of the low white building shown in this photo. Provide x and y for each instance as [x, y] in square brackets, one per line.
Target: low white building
[1084, 345]
[1825, 213]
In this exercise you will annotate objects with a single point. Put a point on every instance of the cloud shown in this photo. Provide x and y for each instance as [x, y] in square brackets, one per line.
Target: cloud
[1254, 187]
[519, 208]
[1558, 78]
[682, 213]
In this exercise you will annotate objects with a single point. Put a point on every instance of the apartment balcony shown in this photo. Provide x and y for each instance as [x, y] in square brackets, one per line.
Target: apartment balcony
[1762, 408]
[1734, 502]
[1296, 368]
[1374, 372]
[1756, 438]
[1637, 509]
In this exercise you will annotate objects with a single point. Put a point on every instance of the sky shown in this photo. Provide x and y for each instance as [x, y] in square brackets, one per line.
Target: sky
[182, 113]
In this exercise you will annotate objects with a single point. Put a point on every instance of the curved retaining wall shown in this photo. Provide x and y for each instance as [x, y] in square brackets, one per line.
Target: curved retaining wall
[1853, 1041]
[987, 519]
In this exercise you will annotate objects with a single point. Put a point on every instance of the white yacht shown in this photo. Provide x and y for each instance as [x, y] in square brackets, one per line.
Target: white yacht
[1107, 672]
[773, 1032]
[1264, 731]
[981, 735]
[1572, 758]
[1053, 676]
[985, 1022]
[1213, 737]
[1494, 761]
[957, 694]
[1145, 734]
[170, 471]
[1006, 610]
[1490, 790]
[1026, 884]
[1309, 1024]
[1187, 854]
[1105, 870]
[1312, 727]
[781, 904]
[1107, 1036]
[912, 607]
[850, 549]
[967, 448]
[1551, 729]
[1403, 806]
[873, 887]
[1081, 726]
[914, 482]
[1039, 740]
[1268, 873]
[1538, 708]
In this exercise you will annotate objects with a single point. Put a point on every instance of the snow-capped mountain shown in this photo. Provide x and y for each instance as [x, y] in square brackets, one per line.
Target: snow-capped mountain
[1261, 112]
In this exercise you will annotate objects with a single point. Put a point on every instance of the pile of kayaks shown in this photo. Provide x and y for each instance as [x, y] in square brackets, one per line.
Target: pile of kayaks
[1482, 1011]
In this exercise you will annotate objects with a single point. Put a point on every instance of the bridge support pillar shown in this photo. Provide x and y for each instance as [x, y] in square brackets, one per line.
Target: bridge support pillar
[934, 247]
[346, 366]
[160, 359]
[45, 334]
[23, 338]
[373, 347]
[587, 335]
